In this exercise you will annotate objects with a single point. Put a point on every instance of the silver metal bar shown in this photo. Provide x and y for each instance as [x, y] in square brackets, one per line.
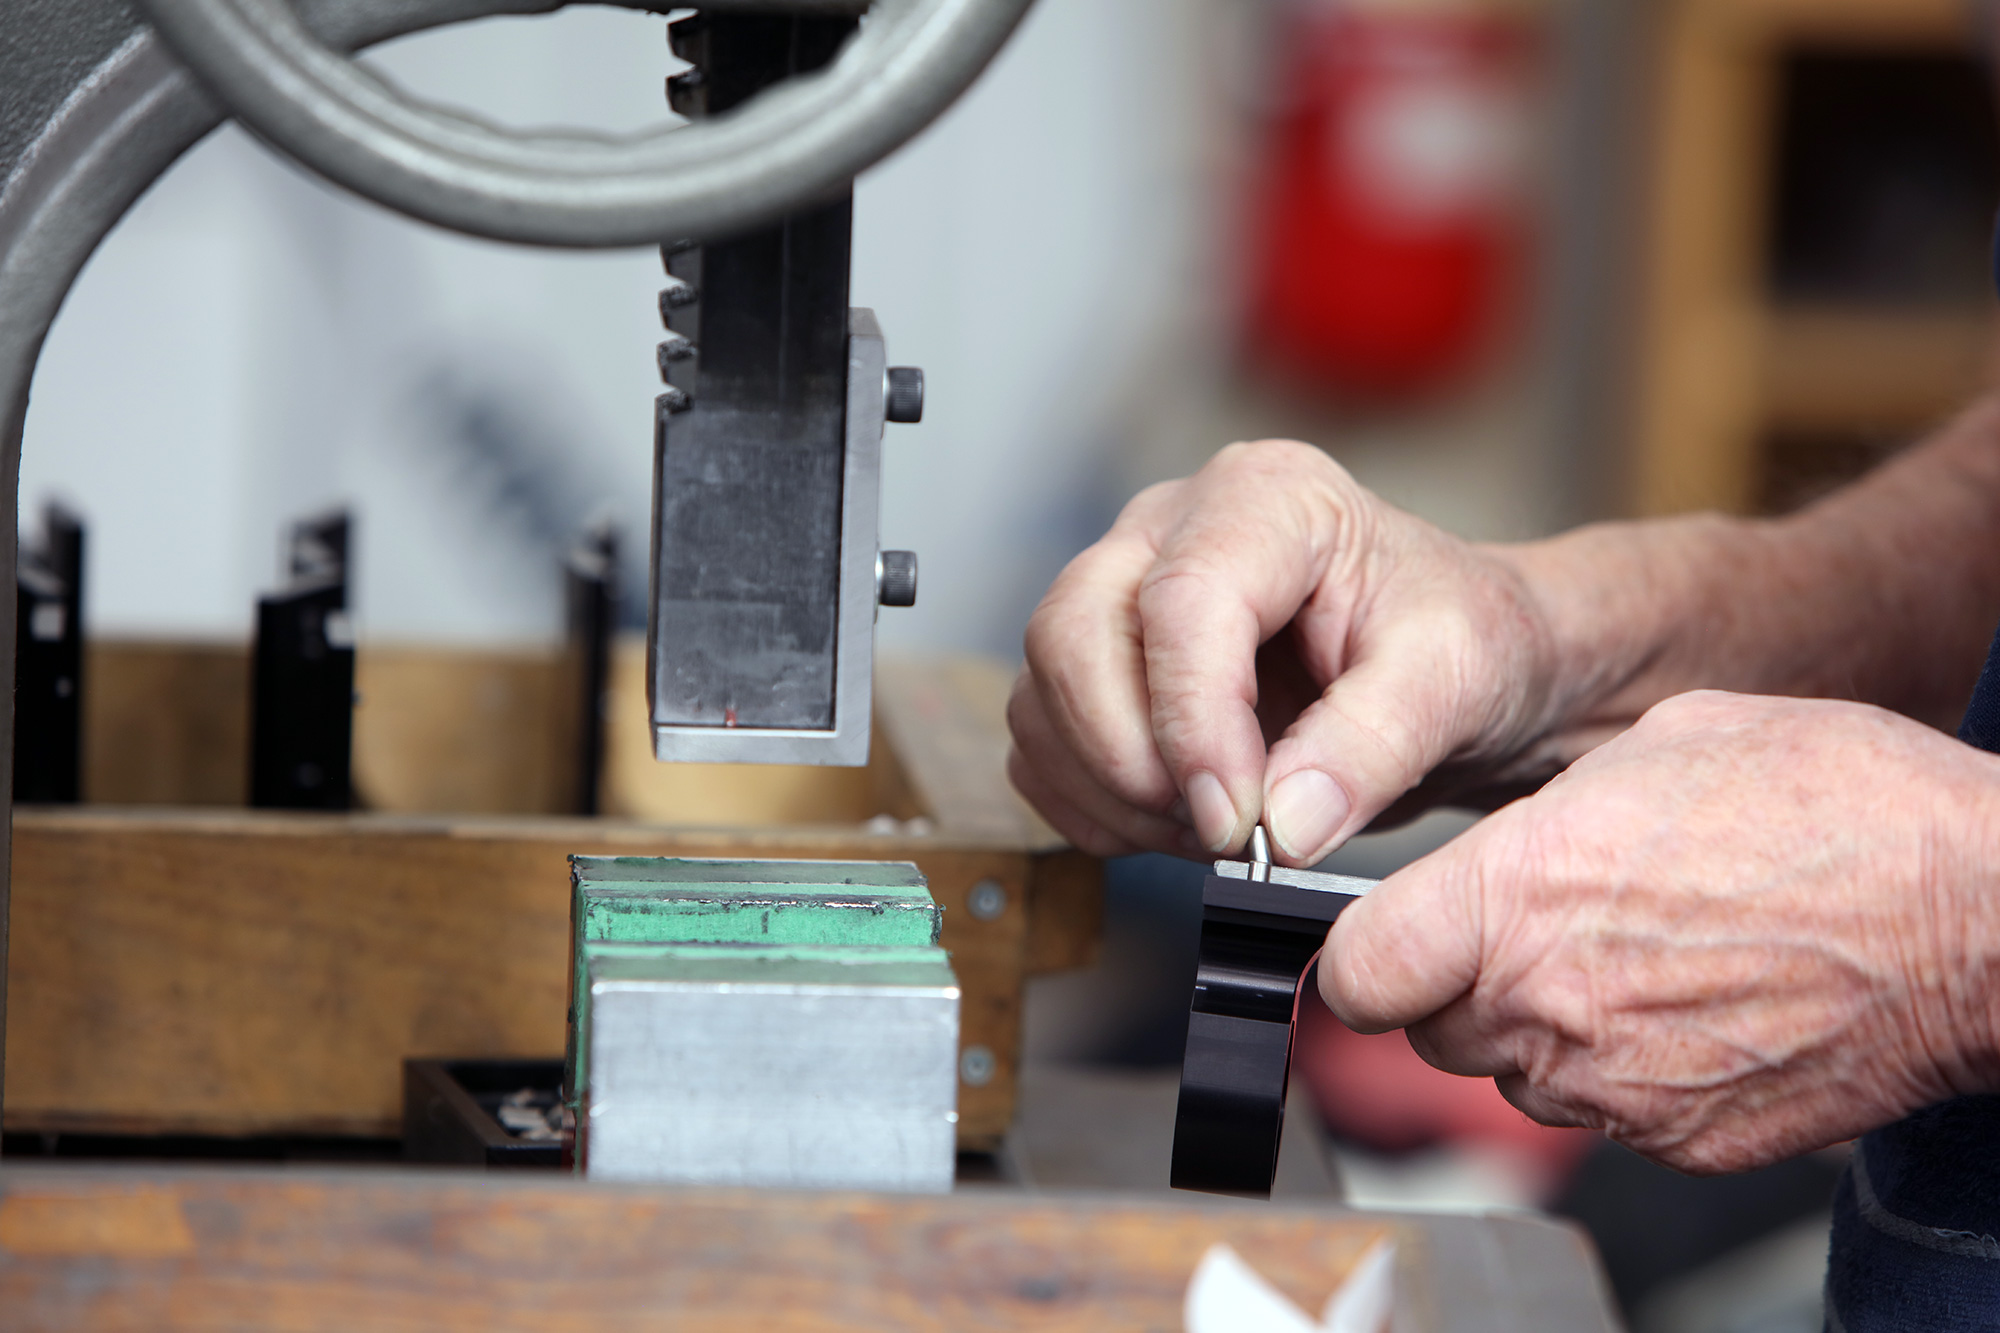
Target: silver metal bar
[1318, 881]
[799, 1068]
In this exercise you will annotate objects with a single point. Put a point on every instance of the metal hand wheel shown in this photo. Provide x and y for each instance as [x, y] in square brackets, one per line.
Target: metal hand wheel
[794, 144]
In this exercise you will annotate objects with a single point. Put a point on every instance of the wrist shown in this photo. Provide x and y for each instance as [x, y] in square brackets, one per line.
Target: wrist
[1636, 612]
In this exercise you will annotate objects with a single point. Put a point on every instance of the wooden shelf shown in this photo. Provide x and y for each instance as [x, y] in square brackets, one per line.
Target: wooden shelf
[1719, 367]
[225, 971]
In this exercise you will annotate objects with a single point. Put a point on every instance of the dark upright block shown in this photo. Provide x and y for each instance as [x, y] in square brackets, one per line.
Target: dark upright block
[48, 669]
[302, 679]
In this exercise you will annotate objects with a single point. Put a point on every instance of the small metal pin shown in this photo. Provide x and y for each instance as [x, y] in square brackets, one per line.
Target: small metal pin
[1260, 855]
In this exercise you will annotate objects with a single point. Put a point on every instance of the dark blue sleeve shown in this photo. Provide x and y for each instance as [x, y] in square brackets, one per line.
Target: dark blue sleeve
[1916, 1217]
[1981, 724]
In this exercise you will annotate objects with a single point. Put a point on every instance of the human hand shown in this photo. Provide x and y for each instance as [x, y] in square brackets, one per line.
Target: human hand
[1746, 928]
[1271, 598]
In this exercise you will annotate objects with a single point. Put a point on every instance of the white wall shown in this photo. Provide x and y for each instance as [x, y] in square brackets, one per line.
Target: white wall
[251, 344]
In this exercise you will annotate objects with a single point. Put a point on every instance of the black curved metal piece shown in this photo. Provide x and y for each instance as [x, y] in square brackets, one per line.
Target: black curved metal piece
[1258, 938]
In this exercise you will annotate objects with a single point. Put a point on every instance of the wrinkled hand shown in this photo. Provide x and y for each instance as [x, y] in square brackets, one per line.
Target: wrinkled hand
[1388, 648]
[1746, 928]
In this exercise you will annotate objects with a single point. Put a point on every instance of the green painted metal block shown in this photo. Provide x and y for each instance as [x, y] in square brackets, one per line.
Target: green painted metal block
[663, 900]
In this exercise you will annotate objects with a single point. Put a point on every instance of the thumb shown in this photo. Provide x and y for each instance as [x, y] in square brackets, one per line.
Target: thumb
[1406, 949]
[1384, 723]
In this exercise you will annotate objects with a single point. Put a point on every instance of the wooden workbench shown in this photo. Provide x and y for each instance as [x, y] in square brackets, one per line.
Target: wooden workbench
[166, 1249]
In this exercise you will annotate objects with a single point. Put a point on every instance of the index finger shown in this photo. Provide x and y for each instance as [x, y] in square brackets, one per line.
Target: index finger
[1254, 539]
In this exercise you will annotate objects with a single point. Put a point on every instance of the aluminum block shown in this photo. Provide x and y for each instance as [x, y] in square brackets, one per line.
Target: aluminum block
[808, 1067]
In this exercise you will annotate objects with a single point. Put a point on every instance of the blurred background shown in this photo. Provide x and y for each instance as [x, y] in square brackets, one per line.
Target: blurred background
[1518, 264]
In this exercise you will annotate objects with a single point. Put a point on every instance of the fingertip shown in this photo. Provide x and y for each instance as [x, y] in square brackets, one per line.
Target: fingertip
[1306, 811]
[1324, 980]
[1215, 815]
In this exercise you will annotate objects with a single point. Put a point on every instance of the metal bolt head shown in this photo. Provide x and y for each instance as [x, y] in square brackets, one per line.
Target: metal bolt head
[896, 578]
[987, 900]
[905, 394]
[976, 1066]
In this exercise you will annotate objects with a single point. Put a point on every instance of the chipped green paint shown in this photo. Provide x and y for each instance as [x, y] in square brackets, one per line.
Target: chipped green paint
[889, 876]
[654, 900]
[860, 907]
[743, 918]
[751, 964]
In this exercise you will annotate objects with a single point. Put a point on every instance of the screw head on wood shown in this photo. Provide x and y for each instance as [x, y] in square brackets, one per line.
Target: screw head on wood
[976, 1066]
[987, 900]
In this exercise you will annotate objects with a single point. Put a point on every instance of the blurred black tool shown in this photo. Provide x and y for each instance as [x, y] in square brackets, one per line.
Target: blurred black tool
[302, 691]
[590, 593]
[48, 662]
[1261, 927]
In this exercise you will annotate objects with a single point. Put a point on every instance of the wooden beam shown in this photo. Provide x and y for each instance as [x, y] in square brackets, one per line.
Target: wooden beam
[1699, 345]
[1844, 372]
[454, 731]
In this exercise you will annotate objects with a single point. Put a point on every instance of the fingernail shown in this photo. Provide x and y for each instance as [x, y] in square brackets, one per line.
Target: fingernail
[1214, 816]
[1306, 809]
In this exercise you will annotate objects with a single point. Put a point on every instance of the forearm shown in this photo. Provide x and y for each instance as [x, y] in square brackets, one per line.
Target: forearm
[1885, 592]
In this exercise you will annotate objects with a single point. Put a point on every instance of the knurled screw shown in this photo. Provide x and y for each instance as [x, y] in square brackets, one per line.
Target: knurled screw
[987, 900]
[904, 392]
[896, 578]
[976, 1066]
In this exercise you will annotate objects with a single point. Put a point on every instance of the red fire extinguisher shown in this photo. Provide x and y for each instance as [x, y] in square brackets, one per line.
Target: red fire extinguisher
[1387, 225]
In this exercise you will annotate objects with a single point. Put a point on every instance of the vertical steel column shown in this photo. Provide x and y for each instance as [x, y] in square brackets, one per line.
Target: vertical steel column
[590, 613]
[10, 501]
[751, 432]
